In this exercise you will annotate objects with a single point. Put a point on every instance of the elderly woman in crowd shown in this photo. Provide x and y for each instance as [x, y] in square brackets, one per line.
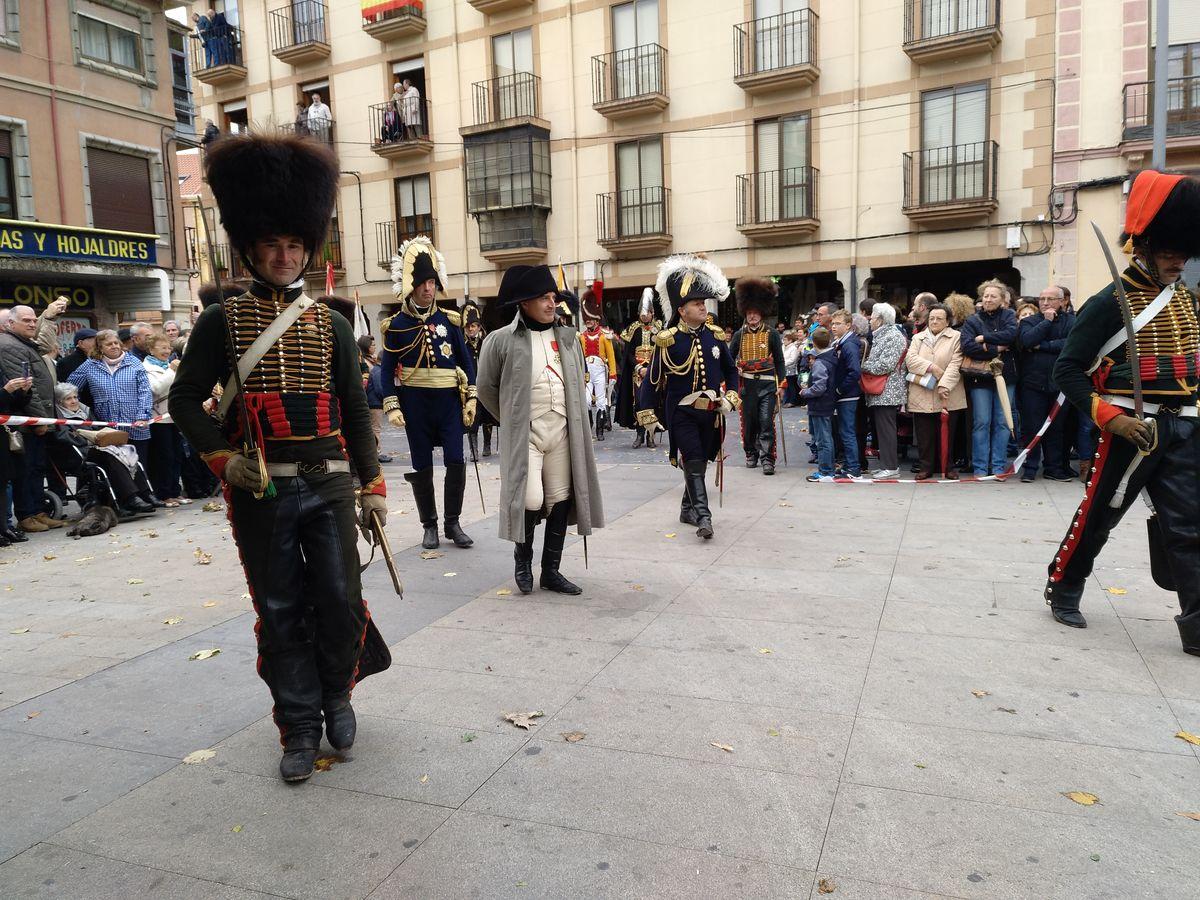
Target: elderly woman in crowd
[166, 446]
[935, 385]
[888, 345]
[987, 335]
[120, 390]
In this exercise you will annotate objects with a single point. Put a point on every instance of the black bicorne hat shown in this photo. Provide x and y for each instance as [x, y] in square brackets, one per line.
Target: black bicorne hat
[525, 283]
[470, 315]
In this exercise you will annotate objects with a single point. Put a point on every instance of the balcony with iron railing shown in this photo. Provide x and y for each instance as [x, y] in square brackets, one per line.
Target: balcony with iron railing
[488, 7]
[1183, 111]
[400, 129]
[778, 205]
[630, 82]
[506, 101]
[216, 55]
[635, 220]
[300, 32]
[943, 29]
[776, 52]
[331, 251]
[946, 184]
[513, 236]
[391, 234]
[394, 24]
[318, 129]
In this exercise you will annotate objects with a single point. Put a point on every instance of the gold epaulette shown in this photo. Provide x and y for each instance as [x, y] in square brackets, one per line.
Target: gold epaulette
[628, 332]
[454, 317]
[717, 330]
[665, 338]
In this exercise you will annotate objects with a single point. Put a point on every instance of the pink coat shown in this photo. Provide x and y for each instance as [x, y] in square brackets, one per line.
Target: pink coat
[946, 354]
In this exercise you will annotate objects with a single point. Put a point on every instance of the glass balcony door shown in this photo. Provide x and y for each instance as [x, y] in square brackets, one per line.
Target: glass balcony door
[942, 17]
[308, 21]
[781, 38]
[640, 198]
[636, 69]
[512, 54]
[953, 144]
[781, 169]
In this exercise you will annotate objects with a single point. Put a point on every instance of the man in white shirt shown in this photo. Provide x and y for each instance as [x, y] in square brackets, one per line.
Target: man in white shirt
[320, 119]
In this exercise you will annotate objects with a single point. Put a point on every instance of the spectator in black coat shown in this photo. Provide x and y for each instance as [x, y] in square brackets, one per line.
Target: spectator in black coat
[990, 334]
[85, 340]
[1040, 338]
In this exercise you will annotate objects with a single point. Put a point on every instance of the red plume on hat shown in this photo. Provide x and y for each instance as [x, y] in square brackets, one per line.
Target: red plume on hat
[1162, 211]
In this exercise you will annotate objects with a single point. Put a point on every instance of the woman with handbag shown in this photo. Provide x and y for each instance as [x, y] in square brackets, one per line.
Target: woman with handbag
[882, 383]
[987, 335]
[936, 396]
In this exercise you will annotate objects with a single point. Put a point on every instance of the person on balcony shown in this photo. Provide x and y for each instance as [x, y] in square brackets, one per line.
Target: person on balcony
[204, 33]
[320, 119]
[410, 112]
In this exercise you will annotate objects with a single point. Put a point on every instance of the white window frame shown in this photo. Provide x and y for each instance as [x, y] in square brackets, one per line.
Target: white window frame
[149, 74]
[10, 11]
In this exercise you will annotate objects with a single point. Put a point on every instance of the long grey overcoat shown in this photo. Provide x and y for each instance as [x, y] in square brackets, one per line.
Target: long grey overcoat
[503, 380]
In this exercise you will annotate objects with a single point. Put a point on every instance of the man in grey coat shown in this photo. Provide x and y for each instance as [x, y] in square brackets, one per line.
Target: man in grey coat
[531, 379]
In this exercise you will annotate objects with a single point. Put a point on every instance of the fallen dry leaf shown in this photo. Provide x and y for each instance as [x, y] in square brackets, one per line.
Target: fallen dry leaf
[151, 534]
[825, 886]
[1117, 592]
[209, 604]
[468, 737]
[765, 650]
[919, 765]
[637, 587]
[212, 506]
[784, 503]
[1083, 798]
[982, 693]
[198, 756]
[504, 592]
[1189, 737]
[1195, 817]
[19, 631]
[49, 556]
[205, 654]
[724, 747]
[424, 778]
[85, 559]
[524, 720]
[773, 732]
[325, 763]
[202, 558]
[431, 554]
[1011, 712]
[669, 534]
[33, 715]
[174, 620]
[236, 829]
[449, 574]
[573, 737]
[135, 581]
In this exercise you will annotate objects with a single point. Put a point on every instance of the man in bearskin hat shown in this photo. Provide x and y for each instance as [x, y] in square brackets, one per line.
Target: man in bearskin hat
[292, 439]
[1157, 452]
[600, 361]
[683, 387]
[531, 377]
[428, 377]
[474, 334]
[638, 338]
[757, 349]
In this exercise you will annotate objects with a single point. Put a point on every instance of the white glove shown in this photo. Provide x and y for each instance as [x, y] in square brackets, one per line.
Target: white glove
[395, 418]
[242, 472]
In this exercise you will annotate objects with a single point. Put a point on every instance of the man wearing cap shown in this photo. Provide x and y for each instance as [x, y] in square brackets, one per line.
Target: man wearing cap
[85, 340]
[638, 338]
[474, 335]
[683, 387]
[758, 352]
[428, 376]
[295, 447]
[600, 361]
[531, 378]
[1158, 454]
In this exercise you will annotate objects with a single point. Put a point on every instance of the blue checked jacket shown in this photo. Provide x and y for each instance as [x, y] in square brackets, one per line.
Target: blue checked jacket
[121, 397]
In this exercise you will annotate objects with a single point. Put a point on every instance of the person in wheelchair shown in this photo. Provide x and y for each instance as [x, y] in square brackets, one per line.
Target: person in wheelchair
[80, 451]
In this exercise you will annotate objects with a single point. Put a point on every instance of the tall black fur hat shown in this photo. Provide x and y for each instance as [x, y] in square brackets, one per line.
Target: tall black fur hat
[273, 185]
[756, 293]
[1174, 227]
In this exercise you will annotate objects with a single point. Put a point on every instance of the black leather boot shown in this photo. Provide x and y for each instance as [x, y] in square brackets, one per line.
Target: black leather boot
[422, 488]
[601, 424]
[296, 690]
[523, 553]
[487, 440]
[456, 485]
[299, 756]
[340, 723]
[552, 548]
[641, 438]
[1063, 599]
[693, 472]
[687, 507]
[751, 460]
[768, 466]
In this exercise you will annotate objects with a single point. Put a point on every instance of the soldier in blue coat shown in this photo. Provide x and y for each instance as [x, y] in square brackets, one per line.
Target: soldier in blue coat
[429, 385]
[683, 387]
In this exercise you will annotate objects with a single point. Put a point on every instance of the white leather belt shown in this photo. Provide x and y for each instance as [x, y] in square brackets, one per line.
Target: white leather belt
[1185, 411]
[294, 470]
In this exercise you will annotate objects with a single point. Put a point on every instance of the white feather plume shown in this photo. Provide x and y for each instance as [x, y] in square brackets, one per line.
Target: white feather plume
[404, 260]
[704, 271]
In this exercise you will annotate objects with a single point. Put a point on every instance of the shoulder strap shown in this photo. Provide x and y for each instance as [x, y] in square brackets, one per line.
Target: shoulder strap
[261, 345]
[1139, 322]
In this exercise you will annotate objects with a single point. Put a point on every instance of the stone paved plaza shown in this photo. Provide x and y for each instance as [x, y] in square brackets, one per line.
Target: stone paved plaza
[853, 691]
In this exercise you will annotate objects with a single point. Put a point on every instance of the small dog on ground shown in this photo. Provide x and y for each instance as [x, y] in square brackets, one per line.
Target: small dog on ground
[96, 520]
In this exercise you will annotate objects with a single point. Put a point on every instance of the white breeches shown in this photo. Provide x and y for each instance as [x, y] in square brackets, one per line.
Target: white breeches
[597, 386]
[549, 479]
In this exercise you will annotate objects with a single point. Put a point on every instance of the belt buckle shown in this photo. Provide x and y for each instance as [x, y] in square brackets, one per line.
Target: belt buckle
[310, 468]
[702, 403]
[1173, 410]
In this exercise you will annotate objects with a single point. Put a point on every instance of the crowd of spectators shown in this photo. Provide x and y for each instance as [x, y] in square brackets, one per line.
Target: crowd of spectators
[119, 376]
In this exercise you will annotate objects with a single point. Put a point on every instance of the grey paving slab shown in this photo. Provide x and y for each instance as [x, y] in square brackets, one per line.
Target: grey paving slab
[184, 822]
[1086, 716]
[464, 700]
[794, 741]
[484, 856]
[416, 761]
[16, 688]
[560, 659]
[726, 578]
[49, 872]
[516, 615]
[860, 889]
[1023, 625]
[749, 813]
[971, 849]
[1134, 787]
[47, 784]
[796, 606]
[786, 640]
[746, 678]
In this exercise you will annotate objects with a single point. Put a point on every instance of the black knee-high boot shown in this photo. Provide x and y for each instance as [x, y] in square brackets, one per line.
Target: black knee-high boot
[693, 473]
[552, 548]
[523, 553]
[422, 488]
[456, 485]
[487, 440]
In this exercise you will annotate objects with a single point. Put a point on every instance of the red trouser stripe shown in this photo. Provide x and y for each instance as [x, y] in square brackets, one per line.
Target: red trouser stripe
[1075, 532]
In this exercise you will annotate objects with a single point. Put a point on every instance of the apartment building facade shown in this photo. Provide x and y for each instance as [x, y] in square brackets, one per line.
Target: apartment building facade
[94, 101]
[849, 149]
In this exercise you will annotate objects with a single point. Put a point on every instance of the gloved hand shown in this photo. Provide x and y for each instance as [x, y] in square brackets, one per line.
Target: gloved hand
[468, 417]
[1138, 432]
[395, 418]
[242, 472]
[367, 504]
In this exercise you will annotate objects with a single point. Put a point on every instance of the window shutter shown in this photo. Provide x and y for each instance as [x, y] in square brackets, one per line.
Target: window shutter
[5, 143]
[121, 195]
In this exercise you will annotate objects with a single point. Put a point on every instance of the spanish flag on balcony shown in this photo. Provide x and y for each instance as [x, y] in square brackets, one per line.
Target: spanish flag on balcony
[373, 8]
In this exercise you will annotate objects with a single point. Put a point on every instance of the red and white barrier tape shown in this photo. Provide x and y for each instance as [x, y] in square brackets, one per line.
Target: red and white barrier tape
[15, 421]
